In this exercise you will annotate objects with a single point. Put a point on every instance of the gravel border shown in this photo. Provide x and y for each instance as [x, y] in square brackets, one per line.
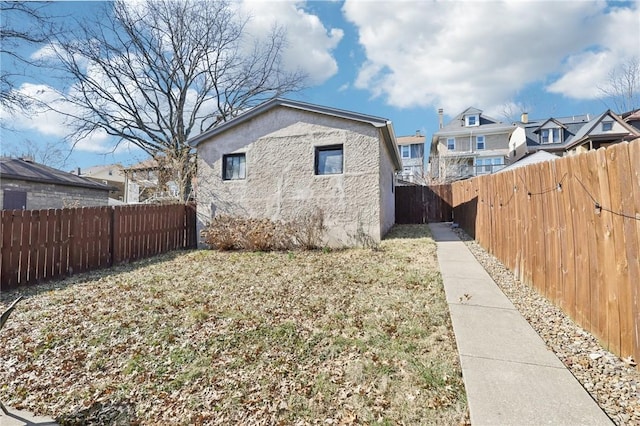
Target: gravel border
[612, 382]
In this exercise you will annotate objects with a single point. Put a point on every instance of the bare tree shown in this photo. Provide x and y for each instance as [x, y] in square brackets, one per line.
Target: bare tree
[622, 87]
[14, 34]
[155, 73]
[52, 154]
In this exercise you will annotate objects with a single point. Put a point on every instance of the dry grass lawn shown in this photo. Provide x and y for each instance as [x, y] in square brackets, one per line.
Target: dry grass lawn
[354, 336]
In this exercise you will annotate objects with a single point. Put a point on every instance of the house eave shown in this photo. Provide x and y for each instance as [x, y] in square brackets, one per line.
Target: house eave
[97, 186]
[390, 141]
[466, 131]
[288, 103]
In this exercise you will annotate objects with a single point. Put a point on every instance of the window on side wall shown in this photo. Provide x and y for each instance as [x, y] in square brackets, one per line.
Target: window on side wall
[451, 144]
[329, 160]
[607, 126]
[234, 166]
[479, 142]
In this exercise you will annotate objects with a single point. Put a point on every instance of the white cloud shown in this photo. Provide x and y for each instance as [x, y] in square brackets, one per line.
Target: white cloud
[457, 54]
[51, 123]
[584, 72]
[309, 43]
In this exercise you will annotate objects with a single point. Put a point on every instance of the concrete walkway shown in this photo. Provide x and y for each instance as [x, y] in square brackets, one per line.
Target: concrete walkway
[23, 418]
[510, 376]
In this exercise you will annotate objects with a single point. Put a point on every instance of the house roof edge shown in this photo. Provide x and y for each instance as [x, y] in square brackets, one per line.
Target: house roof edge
[289, 103]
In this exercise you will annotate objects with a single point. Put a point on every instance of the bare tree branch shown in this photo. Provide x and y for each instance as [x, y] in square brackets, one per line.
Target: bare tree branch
[622, 88]
[14, 34]
[154, 72]
[52, 154]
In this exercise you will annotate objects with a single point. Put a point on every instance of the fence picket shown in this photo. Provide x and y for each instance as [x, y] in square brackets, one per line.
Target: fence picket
[39, 245]
[579, 247]
[634, 212]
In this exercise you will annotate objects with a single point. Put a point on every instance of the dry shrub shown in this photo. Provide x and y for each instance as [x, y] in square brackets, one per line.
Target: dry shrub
[238, 233]
[309, 228]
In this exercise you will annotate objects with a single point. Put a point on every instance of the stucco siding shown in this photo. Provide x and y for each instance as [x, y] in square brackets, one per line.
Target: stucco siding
[51, 196]
[280, 181]
[387, 191]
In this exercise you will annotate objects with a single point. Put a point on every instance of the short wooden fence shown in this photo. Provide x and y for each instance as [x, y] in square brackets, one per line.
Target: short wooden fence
[40, 245]
[571, 229]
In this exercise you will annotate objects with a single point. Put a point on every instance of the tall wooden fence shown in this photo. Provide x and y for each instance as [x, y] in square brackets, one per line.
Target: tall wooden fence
[39, 245]
[571, 229]
[423, 204]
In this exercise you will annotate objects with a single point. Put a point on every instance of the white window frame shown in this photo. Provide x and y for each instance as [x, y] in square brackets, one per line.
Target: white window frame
[451, 144]
[406, 154]
[554, 135]
[542, 136]
[476, 119]
[478, 142]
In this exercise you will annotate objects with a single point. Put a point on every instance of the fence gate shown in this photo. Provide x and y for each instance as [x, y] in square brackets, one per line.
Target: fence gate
[423, 204]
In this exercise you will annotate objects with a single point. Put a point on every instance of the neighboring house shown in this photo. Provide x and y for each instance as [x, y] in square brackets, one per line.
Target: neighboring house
[536, 157]
[569, 135]
[109, 174]
[471, 144]
[285, 159]
[411, 149]
[28, 185]
[148, 182]
[632, 118]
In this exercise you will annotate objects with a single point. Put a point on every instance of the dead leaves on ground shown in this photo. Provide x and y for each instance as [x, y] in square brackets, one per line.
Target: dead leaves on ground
[345, 337]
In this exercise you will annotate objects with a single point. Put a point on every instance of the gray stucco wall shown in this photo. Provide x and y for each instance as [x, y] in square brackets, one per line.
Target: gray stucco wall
[387, 191]
[280, 179]
[50, 196]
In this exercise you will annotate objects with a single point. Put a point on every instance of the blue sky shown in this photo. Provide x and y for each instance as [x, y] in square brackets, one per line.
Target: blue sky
[403, 60]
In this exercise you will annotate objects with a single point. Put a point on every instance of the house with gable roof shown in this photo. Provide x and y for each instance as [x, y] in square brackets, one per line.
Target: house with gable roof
[284, 158]
[569, 135]
[471, 144]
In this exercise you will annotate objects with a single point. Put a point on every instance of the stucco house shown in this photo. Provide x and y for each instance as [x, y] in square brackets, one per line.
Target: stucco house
[109, 174]
[471, 144]
[285, 158]
[26, 185]
[569, 135]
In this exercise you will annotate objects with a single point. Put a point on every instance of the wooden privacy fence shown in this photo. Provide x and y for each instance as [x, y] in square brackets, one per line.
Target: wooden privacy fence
[571, 229]
[423, 204]
[39, 245]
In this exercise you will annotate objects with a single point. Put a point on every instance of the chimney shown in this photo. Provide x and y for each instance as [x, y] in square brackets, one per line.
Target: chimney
[440, 117]
[78, 171]
[524, 118]
[418, 134]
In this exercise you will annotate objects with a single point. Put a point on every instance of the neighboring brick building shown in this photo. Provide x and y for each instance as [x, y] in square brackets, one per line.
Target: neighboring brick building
[25, 185]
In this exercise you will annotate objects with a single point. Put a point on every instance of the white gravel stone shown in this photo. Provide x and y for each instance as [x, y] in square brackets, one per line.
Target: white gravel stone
[610, 380]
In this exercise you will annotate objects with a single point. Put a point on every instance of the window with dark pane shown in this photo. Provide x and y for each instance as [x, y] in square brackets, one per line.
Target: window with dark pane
[329, 160]
[234, 166]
